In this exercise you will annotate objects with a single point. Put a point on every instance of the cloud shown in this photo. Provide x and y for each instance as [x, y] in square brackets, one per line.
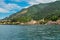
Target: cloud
[3, 10]
[33, 2]
[13, 7]
[10, 7]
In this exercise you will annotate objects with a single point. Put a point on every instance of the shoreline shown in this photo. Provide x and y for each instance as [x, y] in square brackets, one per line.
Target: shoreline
[32, 22]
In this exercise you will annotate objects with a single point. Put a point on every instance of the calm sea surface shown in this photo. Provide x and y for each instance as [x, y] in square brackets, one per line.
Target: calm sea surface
[29, 32]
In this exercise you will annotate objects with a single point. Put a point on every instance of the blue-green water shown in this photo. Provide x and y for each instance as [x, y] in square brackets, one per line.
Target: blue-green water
[29, 32]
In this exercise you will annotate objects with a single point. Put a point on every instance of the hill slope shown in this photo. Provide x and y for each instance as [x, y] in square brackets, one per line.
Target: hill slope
[38, 12]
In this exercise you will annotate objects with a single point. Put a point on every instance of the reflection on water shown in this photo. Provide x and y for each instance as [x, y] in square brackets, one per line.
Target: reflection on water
[30, 32]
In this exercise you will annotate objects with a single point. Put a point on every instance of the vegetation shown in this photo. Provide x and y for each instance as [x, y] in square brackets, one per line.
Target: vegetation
[21, 19]
[54, 18]
[48, 11]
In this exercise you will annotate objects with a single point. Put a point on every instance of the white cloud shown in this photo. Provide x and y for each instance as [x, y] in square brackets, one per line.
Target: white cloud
[3, 10]
[32, 2]
[6, 8]
[10, 7]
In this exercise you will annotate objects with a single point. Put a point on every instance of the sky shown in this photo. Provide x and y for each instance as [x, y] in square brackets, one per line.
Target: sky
[8, 7]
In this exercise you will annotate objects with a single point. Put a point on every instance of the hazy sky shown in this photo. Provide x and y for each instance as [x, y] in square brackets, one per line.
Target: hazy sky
[8, 7]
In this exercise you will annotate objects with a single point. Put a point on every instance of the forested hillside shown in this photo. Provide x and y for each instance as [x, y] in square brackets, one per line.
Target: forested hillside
[38, 12]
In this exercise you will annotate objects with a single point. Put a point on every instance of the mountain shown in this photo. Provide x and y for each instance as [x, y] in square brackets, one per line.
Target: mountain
[37, 12]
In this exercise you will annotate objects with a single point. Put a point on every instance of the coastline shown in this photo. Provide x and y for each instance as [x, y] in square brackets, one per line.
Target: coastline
[33, 22]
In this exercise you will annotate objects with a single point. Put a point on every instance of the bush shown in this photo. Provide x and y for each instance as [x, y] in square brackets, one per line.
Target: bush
[54, 18]
[21, 19]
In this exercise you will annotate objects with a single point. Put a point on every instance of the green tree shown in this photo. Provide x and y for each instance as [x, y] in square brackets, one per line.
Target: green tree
[24, 19]
[54, 18]
[14, 20]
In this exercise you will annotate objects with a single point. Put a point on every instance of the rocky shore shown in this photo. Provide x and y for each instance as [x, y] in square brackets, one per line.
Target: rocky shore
[31, 22]
[53, 22]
